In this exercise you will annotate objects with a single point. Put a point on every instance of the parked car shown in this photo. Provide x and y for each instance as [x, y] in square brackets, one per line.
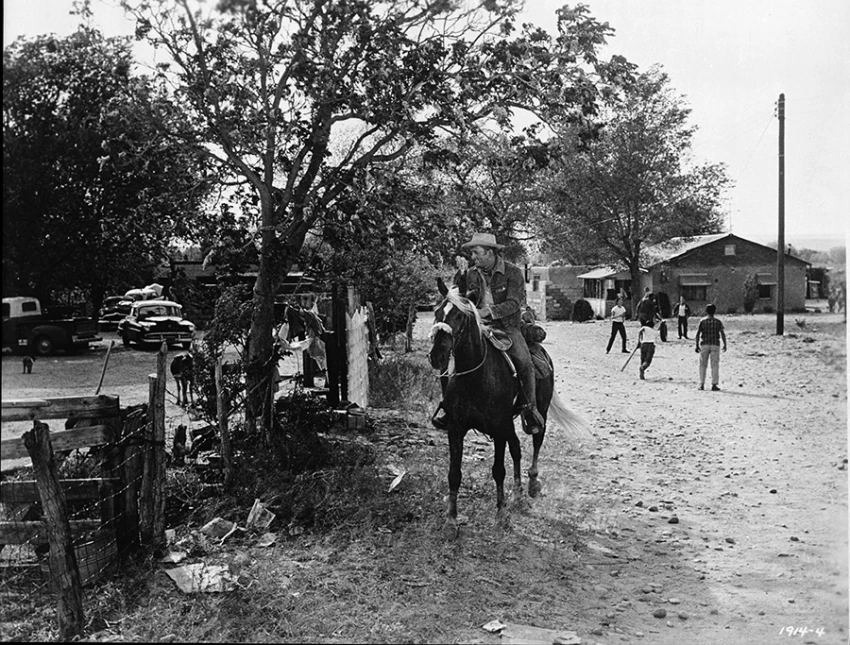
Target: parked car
[152, 321]
[113, 311]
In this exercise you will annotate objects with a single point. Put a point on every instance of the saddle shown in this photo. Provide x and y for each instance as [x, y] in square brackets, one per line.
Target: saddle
[498, 339]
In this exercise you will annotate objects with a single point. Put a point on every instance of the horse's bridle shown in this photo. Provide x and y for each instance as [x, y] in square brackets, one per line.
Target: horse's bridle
[446, 328]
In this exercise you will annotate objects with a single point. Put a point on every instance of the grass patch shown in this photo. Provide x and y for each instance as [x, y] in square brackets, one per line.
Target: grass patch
[403, 381]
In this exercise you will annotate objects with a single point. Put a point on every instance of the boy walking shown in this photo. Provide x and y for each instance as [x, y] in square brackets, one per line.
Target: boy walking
[711, 332]
[646, 342]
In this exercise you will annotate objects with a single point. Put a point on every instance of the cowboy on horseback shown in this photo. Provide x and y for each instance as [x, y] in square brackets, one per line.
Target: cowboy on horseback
[497, 288]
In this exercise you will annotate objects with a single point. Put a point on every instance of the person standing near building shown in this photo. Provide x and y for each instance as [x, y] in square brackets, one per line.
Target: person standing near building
[646, 342]
[682, 311]
[710, 332]
[618, 325]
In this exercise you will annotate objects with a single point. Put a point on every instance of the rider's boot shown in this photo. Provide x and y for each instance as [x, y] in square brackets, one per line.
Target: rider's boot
[532, 422]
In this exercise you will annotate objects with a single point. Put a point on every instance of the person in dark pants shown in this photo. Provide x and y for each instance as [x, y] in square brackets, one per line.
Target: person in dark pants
[647, 309]
[646, 342]
[682, 311]
[618, 325]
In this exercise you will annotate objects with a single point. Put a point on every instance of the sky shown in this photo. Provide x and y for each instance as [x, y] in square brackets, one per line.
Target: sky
[730, 59]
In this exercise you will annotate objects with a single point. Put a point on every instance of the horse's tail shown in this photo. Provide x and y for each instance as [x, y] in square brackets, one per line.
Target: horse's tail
[575, 427]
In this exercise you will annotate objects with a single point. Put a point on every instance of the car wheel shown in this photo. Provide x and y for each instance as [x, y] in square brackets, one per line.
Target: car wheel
[125, 338]
[43, 346]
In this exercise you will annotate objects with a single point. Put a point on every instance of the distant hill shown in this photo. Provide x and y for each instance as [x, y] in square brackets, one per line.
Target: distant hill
[814, 242]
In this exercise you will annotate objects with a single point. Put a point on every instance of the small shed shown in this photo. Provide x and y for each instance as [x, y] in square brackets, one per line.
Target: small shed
[602, 287]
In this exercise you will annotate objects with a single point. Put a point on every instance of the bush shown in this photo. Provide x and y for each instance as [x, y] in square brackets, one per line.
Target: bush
[582, 311]
[751, 293]
[769, 310]
[403, 381]
[732, 309]
[298, 419]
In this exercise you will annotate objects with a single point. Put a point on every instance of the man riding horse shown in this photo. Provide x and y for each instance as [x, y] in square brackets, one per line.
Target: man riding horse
[497, 288]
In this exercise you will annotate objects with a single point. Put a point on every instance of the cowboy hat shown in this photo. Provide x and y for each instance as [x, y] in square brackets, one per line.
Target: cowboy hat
[483, 239]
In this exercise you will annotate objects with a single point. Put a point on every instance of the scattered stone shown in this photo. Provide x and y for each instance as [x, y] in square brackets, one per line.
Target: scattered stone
[791, 600]
[660, 613]
[653, 509]
[794, 538]
[683, 615]
[673, 520]
[730, 540]
[639, 504]
[773, 491]
[597, 632]
[714, 612]
[674, 601]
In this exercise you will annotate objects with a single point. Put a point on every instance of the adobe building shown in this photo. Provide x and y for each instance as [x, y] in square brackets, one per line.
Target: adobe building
[712, 269]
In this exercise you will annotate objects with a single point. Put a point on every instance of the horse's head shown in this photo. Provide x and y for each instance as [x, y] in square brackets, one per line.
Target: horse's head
[454, 319]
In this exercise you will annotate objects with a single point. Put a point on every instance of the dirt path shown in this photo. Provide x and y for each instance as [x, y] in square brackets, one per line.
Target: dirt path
[755, 477]
[728, 509]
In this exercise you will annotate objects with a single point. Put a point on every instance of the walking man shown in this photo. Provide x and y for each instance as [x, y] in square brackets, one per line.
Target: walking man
[618, 325]
[710, 332]
[682, 312]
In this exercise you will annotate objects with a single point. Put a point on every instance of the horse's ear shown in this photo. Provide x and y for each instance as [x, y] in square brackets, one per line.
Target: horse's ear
[441, 286]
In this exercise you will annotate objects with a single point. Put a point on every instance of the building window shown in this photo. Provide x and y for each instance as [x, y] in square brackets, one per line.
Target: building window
[535, 283]
[729, 249]
[765, 291]
[694, 292]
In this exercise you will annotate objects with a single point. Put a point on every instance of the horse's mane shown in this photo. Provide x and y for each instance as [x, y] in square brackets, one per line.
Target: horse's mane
[466, 306]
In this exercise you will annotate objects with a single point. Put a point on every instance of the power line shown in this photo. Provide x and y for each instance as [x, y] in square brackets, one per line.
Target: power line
[758, 142]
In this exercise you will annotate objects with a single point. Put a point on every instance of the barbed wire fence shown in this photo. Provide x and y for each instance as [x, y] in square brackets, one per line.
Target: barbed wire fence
[84, 482]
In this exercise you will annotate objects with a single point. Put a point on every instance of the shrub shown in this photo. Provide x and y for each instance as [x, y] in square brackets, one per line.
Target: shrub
[751, 293]
[732, 309]
[582, 311]
[403, 381]
[769, 310]
[298, 419]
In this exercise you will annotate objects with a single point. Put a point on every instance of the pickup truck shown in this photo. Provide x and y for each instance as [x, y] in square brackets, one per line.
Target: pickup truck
[27, 328]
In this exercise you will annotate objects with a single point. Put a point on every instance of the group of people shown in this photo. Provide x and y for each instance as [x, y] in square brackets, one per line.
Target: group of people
[710, 333]
[497, 287]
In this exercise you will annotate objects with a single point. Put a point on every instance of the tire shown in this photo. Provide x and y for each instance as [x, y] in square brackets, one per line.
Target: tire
[125, 338]
[42, 345]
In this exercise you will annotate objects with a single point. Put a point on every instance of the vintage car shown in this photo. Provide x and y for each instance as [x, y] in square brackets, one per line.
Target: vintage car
[152, 321]
[112, 312]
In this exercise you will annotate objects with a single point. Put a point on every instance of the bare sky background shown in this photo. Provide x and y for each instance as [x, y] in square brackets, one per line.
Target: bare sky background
[731, 59]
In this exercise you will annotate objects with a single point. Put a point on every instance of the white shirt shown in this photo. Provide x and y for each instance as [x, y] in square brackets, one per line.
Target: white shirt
[647, 335]
[618, 313]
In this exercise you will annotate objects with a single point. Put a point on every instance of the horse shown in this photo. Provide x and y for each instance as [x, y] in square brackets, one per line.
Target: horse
[481, 394]
[182, 369]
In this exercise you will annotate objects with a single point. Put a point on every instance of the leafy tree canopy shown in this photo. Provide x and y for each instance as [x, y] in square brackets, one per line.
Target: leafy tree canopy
[633, 183]
[91, 192]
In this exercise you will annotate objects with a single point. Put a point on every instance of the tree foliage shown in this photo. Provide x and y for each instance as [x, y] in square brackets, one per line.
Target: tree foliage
[633, 183]
[91, 192]
[270, 85]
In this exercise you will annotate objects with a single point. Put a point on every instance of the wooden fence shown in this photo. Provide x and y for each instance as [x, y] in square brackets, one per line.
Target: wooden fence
[82, 525]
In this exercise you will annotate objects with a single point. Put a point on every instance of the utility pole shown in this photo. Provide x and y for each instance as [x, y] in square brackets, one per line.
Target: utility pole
[780, 243]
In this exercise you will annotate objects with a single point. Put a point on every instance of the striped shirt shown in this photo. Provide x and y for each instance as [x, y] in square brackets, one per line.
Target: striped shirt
[709, 331]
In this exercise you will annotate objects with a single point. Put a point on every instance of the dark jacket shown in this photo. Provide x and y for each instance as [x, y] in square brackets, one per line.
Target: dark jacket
[507, 287]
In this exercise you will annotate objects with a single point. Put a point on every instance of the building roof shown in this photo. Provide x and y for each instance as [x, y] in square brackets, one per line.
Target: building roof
[678, 246]
[604, 272]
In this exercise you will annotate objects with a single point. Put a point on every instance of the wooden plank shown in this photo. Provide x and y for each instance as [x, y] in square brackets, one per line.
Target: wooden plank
[22, 492]
[36, 532]
[67, 407]
[62, 440]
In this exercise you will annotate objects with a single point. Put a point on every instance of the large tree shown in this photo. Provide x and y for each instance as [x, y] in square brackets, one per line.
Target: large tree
[92, 194]
[272, 84]
[634, 182]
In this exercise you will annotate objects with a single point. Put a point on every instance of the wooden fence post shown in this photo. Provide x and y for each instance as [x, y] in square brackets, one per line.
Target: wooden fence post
[130, 464]
[152, 497]
[64, 573]
[224, 431]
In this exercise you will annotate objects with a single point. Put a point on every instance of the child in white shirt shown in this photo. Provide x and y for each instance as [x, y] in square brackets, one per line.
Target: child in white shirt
[646, 342]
